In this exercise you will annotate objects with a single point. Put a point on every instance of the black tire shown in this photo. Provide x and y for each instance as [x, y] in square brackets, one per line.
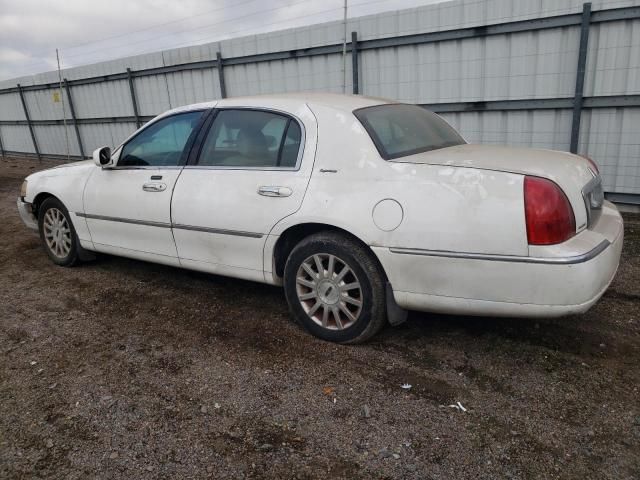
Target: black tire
[365, 270]
[71, 257]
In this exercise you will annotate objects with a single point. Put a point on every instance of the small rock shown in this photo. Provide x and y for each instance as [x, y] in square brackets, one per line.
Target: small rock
[603, 345]
[150, 468]
[384, 453]
[53, 385]
[265, 447]
[209, 469]
[514, 433]
[32, 362]
[366, 413]
[113, 455]
[203, 409]
[49, 443]
[216, 405]
[396, 456]
[411, 467]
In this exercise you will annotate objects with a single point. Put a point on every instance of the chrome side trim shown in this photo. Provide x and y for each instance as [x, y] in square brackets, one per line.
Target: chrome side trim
[124, 220]
[219, 231]
[507, 258]
[193, 228]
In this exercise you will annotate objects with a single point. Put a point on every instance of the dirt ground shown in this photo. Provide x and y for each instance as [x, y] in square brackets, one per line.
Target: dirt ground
[124, 369]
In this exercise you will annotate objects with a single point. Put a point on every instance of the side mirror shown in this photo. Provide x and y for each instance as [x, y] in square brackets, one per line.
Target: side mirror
[102, 157]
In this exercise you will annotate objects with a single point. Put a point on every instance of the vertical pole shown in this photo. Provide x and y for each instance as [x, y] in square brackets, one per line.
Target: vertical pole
[223, 86]
[64, 113]
[73, 117]
[133, 98]
[1, 147]
[344, 51]
[26, 115]
[354, 62]
[582, 62]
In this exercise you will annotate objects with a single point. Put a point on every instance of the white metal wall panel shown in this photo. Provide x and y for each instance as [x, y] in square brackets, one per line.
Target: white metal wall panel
[611, 137]
[192, 86]
[613, 64]
[108, 99]
[105, 134]
[152, 95]
[195, 53]
[11, 107]
[516, 66]
[319, 73]
[16, 138]
[537, 129]
[53, 136]
[42, 106]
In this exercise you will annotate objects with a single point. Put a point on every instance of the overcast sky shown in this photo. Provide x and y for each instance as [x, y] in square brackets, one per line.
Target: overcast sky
[90, 31]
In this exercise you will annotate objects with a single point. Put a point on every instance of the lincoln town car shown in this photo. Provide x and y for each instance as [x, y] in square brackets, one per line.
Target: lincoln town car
[360, 208]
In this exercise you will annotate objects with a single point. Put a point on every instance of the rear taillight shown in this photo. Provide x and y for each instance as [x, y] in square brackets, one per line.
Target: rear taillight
[592, 164]
[548, 212]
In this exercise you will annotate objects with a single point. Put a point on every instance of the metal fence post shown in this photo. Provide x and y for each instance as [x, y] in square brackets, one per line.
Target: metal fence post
[26, 115]
[223, 86]
[1, 147]
[578, 99]
[354, 62]
[133, 98]
[73, 116]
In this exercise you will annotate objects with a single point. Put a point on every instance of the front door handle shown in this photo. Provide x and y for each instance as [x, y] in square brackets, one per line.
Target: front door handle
[154, 187]
[272, 191]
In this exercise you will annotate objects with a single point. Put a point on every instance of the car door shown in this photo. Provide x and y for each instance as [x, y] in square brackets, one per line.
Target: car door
[127, 207]
[252, 170]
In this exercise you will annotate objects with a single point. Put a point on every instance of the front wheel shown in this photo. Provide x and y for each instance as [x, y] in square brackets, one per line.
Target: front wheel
[57, 233]
[335, 288]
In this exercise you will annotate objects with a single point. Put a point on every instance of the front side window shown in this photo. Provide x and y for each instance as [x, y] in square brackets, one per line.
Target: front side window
[251, 138]
[162, 143]
[399, 130]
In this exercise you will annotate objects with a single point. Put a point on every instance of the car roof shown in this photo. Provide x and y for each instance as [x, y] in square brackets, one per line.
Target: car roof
[342, 102]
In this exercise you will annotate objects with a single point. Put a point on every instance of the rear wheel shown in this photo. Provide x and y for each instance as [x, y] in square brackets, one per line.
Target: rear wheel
[335, 288]
[57, 233]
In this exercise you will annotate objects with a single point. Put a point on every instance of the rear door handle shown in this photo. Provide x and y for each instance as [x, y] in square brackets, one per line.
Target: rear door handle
[273, 191]
[154, 187]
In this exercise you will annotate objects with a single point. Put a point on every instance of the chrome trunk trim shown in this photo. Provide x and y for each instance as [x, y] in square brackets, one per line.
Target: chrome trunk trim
[507, 258]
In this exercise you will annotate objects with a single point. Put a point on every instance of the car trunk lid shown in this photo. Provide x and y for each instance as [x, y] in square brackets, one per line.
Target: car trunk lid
[571, 172]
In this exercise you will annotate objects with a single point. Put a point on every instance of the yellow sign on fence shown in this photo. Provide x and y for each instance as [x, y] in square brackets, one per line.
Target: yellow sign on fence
[56, 97]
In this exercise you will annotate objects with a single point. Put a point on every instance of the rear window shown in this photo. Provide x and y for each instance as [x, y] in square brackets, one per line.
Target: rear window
[399, 130]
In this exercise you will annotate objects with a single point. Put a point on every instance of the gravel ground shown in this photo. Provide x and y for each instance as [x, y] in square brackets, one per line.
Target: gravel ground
[124, 369]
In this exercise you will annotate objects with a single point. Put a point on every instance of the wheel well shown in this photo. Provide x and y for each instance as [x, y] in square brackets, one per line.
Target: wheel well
[37, 201]
[293, 235]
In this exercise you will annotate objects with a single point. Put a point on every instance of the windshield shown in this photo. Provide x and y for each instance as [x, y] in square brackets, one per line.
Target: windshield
[399, 130]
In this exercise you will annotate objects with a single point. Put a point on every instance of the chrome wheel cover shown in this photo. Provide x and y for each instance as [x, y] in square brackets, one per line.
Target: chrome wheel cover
[329, 291]
[57, 233]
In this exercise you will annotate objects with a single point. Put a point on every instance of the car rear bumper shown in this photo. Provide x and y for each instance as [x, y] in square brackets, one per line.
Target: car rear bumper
[552, 281]
[26, 214]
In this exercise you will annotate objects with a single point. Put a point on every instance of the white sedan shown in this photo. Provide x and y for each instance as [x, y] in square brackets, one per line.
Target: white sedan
[361, 208]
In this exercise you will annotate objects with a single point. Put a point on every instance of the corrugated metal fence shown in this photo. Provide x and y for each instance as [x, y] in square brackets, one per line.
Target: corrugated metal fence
[550, 74]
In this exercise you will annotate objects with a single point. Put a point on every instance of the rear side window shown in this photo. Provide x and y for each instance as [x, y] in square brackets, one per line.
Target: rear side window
[400, 130]
[250, 139]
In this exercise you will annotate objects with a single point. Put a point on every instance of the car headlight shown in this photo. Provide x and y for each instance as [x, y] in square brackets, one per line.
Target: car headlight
[23, 189]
